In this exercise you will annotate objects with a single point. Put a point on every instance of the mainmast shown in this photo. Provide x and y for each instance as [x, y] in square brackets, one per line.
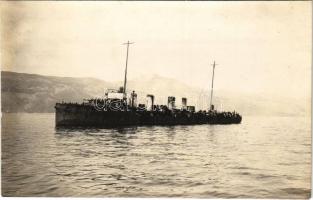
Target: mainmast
[211, 106]
[125, 78]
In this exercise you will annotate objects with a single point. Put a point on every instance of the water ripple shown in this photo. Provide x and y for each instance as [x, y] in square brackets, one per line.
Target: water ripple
[260, 158]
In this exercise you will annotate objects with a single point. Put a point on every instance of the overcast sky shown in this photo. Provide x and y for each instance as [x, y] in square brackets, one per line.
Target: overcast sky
[259, 46]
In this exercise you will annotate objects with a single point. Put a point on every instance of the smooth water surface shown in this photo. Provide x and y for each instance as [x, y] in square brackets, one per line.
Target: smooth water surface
[264, 157]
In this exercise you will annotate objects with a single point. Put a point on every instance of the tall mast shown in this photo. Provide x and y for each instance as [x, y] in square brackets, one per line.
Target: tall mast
[125, 78]
[212, 86]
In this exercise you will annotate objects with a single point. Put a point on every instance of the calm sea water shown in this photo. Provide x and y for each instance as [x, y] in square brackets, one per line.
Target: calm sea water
[264, 157]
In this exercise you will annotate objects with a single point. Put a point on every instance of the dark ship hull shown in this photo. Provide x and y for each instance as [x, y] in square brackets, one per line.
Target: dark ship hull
[80, 115]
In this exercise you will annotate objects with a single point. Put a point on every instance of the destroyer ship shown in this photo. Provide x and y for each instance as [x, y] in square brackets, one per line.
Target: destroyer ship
[118, 109]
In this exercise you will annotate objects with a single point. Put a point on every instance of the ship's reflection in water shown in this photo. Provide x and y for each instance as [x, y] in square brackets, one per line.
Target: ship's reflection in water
[262, 157]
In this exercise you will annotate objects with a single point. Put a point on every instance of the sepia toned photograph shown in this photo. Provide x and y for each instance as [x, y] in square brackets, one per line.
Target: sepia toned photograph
[207, 99]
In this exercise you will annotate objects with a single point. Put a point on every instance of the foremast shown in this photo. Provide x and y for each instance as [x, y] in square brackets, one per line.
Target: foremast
[125, 77]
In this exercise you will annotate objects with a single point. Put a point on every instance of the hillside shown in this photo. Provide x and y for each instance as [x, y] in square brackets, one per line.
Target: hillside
[36, 93]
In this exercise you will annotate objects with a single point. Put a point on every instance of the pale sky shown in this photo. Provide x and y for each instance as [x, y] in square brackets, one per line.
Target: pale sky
[259, 46]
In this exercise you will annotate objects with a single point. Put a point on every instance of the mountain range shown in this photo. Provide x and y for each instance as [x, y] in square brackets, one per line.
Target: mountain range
[33, 93]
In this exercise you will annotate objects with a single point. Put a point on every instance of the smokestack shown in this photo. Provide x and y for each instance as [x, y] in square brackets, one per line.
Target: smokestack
[133, 99]
[150, 103]
[184, 103]
[171, 102]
